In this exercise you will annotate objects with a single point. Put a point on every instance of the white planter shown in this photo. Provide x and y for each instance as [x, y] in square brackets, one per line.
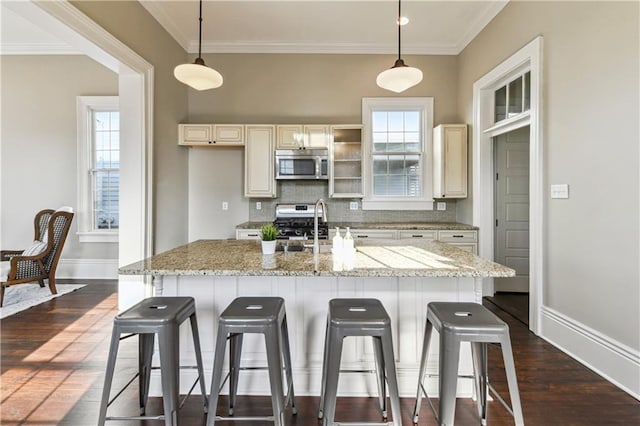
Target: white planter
[268, 247]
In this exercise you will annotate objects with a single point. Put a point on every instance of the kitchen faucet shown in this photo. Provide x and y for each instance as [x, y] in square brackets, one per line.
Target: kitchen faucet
[316, 245]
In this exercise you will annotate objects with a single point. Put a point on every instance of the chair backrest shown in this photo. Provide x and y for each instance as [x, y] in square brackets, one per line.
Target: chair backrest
[52, 226]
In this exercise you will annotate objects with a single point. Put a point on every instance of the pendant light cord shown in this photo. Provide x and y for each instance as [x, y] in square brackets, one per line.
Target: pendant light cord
[399, 26]
[200, 33]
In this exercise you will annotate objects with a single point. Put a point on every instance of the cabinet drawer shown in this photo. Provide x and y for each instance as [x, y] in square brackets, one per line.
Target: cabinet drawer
[418, 234]
[247, 234]
[472, 248]
[458, 236]
[381, 234]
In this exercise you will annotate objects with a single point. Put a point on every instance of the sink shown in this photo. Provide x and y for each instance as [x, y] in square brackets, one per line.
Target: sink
[296, 246]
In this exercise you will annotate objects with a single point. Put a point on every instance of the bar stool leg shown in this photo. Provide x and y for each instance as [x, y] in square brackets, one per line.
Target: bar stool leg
[512, 380]
[145, 355]
[480, 373]
[380, 369]
[387, 348]
[325, 363]
[235, 352]
[169, 344]
[423, 367]
[450, 354]
[108, 377]
[274, 362]
[196, 345]
[334, 355]
[287, 363]
[221, 346]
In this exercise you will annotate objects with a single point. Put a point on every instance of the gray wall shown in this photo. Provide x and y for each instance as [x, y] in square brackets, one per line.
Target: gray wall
[130, 23]
[290, 88]
[39, 143]
[590, 140]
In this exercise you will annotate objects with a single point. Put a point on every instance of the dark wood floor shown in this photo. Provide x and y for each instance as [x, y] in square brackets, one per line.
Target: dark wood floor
[54, 355]
[515, 304]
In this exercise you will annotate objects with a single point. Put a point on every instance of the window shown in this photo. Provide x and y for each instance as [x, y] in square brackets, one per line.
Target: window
[397, 147]
[513, 98]
[98, 168]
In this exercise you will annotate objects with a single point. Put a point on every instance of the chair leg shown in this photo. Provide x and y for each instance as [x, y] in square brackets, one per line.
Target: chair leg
[274, 362]
[145, 355]
[221, 345]
[169, 344]
[41, 283]
[512, 380]
[423, 366]
[108, 376]
[235, 352]
[380, 369]
[52, 284]
[325, 362]
[196, 345]
[334, 353]
[1, 295]
[286, 348]
[449, 356]
[479, 355]
[392, 379]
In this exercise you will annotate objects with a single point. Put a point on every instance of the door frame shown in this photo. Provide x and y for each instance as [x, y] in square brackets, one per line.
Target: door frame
[135, 87]
[529, 57]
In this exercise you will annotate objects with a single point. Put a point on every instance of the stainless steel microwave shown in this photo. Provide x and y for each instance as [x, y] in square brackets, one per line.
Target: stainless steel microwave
[302, 164]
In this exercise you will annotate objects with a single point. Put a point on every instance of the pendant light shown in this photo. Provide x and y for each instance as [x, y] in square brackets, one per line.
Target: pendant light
[400, 77]
[198, 75]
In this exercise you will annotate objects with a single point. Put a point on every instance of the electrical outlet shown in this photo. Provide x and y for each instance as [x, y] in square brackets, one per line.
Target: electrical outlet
[560, 191]
[441, 205]
[353, 205]
[225, 205]
[258, 205]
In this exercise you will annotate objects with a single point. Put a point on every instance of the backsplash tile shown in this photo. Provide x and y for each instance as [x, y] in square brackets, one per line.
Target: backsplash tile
[309, 192]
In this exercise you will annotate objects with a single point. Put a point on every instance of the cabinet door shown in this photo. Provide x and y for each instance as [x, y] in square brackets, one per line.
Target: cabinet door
[345, 166]
[316, 136]
[450, 161]
[290, 136]
[228, 134]
[259, 176]
[194, 134]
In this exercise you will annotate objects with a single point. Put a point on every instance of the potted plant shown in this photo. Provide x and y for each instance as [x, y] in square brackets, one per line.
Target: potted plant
[268, 234]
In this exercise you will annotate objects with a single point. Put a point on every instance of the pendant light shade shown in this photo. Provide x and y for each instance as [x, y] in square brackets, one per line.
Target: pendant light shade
[400, 77]
[197, 75]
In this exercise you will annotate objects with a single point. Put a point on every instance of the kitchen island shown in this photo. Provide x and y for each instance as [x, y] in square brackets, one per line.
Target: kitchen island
[404, 275]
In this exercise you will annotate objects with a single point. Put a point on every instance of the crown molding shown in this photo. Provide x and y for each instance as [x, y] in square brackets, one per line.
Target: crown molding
[479, 24]
[317, 48]
[168, 23]
[38, 49]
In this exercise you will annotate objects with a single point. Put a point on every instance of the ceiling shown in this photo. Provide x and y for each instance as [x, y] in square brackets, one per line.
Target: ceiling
[302, 26]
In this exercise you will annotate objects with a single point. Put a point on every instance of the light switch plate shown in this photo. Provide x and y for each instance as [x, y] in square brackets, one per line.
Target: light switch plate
[258, 205]
[225, 205]
[560, 191]
[441, 205]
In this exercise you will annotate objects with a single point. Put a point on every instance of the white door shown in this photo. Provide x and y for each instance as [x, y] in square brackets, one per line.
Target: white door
[512, 208]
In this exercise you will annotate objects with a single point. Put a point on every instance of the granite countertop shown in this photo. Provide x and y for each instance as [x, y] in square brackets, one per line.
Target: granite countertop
[374, 258]
[436, 226]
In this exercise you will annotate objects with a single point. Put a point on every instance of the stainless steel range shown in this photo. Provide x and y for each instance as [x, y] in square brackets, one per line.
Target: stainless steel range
[295, 222]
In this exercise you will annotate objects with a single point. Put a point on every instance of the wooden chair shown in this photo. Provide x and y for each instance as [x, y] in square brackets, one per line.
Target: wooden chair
[39, 261]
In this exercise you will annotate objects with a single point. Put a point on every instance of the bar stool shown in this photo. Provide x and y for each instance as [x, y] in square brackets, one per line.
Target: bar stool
[151, 316]
[466, 322]
[263, 315]
[358, 317]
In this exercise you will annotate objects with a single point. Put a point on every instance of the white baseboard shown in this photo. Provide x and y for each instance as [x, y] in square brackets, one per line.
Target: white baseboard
[613, 360]
[87, 268]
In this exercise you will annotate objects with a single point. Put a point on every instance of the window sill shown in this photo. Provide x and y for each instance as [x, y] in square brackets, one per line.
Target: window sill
[397, 204]
[98, 237]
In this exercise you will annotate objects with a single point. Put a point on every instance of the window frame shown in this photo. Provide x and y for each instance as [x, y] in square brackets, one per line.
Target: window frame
[85, 105]
[425, 200]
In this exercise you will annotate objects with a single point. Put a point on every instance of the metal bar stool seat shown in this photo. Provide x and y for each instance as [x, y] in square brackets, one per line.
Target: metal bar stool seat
[151, 316]
[261, 315]
[458, 322]
[358, 317]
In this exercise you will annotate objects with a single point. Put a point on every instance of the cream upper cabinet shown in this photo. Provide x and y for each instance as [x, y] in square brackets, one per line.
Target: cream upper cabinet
[450, 161]
[299, 136]
[259, 176]
[345, 162]
[211, 134]
[290, 136]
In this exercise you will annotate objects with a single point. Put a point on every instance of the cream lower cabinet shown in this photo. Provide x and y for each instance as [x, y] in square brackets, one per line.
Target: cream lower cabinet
[450, 161]
[247, 234]
[259, 176]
